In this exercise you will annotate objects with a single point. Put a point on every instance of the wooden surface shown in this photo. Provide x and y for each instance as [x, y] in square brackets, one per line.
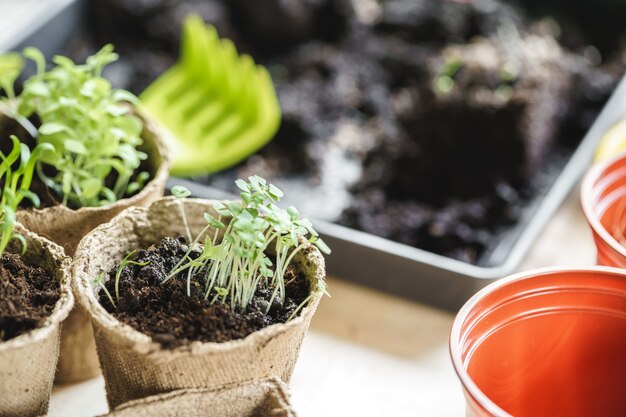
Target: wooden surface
[370, 354]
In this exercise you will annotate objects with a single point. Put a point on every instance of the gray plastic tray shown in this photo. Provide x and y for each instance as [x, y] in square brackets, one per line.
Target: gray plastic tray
[357, 256]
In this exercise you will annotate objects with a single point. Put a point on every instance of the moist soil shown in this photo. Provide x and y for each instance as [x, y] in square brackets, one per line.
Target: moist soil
[27, 296]
[171, 317]
[363, 127]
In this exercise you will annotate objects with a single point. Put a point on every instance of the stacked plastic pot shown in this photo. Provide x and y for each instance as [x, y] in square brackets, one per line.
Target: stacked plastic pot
[553, 342]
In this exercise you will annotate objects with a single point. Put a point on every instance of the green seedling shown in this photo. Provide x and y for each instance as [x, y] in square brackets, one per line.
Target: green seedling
[100, 282]
[90, 125]
[125, 262]
[444, 80]
[234, 266]
[220, 106]
[181, 193]
[11, 65]
[16, 174]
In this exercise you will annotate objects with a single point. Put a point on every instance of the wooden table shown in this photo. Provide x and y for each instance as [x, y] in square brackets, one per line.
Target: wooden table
[371, 354]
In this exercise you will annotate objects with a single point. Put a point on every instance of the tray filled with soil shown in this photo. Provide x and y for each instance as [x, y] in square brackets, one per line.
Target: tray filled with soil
[440, 135]
[198, 294]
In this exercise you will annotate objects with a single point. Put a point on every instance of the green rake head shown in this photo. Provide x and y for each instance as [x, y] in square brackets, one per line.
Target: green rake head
[219, 106]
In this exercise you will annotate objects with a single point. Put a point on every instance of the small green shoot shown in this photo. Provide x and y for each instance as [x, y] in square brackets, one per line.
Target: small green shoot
[508, 76]
[16, 174]
[509, 73]
[234, 266]
[11, 65]
[100, 281]
[181, 193]
[125, 262]
[444, 80]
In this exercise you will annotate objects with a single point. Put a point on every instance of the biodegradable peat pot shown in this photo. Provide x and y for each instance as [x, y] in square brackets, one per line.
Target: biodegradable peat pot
[544, 343]
[28, 361]
[66, 227]
[134, 366]
[603, 198]
[262, 398]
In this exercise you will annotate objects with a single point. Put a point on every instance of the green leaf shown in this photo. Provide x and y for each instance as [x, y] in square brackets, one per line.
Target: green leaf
[75, 146]
[129, 154]
[91, 187]
[242, 185]
[64, 62]
[234, 208]
[11, 65]
[293, 212]
[22, 241]
[35, 55]
[52, 128]
[276, 192]
[29, 195]
[38, 89]
[125, 96]
[90, 126]
[322, 246]
[180, 191]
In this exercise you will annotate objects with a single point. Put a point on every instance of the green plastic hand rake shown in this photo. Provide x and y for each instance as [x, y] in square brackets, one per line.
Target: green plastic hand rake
[219, 106]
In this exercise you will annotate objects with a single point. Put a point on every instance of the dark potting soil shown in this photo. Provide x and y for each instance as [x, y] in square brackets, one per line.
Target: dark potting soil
[27, 296]
[171, 317]
[364, 128]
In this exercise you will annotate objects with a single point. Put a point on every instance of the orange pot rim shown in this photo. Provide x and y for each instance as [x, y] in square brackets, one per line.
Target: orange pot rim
[586, 192]
[469, 385]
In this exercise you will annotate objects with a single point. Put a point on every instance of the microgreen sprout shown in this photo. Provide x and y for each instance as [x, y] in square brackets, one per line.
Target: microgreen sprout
[100, 282]
[11, 65]
[509, 73]
[118, 274]
[90, 125]
[508, 77]
[444, 80]
[234, 266]
[16, 174]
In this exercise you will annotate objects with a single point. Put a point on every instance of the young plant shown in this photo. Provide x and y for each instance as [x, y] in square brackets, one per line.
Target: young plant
[100, 282]
[234, 267]
[90, 125]
[16, 174]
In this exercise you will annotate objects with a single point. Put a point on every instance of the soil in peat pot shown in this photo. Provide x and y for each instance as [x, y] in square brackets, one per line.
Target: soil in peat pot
[27, 296]
[172, 318]
[363, 127]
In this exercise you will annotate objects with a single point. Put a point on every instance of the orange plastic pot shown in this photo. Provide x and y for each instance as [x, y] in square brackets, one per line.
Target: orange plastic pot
[544, 343]
[603, 198]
